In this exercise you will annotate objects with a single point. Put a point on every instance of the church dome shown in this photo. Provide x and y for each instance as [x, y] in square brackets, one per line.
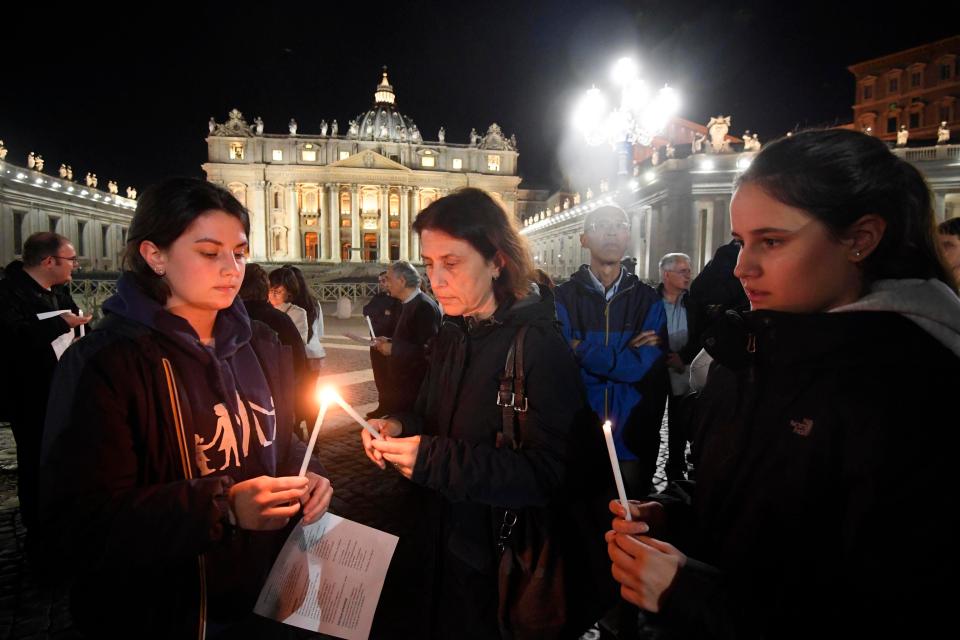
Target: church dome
[383, 121]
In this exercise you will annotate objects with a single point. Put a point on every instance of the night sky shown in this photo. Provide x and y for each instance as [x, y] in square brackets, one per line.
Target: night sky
[129, 97]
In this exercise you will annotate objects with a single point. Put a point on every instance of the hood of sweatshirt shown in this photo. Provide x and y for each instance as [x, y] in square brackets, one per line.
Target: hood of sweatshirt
[930, 304]
[226, 400]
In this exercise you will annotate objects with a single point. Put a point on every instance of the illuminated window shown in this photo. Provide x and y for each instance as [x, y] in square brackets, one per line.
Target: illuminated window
[277, 155]
[236, 151]
[344, 155]
[344, 203]
[457, 164]
[309, 155]
[428, 161]
[493, 163]
[369, 200]
[344, 222]
[394, 204]
[276, 199]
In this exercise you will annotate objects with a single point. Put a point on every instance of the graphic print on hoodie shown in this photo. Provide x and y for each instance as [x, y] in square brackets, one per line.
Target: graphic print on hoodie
[229, 410]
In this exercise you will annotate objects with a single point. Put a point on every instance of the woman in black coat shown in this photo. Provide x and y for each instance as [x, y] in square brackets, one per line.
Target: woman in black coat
[454, 446]
[826, 483]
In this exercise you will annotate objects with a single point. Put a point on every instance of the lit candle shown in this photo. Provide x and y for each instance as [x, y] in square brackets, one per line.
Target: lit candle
[608, 435]
[353, 414]
[324, 403]
[373, 336]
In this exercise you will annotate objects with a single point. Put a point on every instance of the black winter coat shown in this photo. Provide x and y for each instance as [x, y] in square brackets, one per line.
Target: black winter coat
[826, 493]
[25, 343]
[465, 477]
[142, 535]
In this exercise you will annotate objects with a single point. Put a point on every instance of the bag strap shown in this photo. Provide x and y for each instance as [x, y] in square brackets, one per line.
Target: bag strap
[511, 396]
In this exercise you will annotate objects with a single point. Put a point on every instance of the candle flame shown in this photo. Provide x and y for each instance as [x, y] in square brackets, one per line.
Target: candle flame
[327, 395]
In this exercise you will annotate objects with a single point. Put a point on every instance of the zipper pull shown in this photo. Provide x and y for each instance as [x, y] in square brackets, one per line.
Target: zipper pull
[751, 343]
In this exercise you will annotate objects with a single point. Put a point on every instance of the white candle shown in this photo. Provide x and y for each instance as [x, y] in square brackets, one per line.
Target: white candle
[612, 450]
[313, 438]
[373, 336]
[356, 416]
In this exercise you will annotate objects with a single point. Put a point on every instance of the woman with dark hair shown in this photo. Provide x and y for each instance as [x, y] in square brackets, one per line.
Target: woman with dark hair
[826, 484]
[456, 446]
[305, 300]
[284, 290]
[167, 480]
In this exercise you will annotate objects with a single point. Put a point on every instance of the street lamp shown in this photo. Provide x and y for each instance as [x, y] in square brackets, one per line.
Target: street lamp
[638, 118]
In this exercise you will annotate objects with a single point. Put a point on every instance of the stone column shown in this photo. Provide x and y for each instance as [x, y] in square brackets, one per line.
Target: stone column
[293, 223]
[404, 223]
[384, 253]
[415, 249]
[356, 248]
[323, 230]
[259, 229]
[334, 222]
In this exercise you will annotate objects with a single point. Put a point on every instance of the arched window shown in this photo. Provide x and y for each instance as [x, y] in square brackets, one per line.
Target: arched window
[394, 204]
[344, 203]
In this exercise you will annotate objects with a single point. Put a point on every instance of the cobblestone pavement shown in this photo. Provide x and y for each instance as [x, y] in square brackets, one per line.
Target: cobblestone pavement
[362, 492]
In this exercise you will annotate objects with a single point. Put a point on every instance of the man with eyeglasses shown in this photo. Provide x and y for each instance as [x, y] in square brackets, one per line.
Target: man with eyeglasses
[32, 286]
[675, 275]
[616, 327]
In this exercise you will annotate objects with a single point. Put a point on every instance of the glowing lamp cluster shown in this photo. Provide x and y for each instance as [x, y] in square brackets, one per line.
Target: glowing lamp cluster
[639, 117]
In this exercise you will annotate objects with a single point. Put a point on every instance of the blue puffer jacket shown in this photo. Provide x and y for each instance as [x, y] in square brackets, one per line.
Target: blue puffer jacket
[611, 369]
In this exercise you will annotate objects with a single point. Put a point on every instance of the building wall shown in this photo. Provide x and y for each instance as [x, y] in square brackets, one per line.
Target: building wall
[336, 199]
[918, 88]
[95, 221]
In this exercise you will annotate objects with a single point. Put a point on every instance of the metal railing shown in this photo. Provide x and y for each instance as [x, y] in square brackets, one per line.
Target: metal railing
[91, 294]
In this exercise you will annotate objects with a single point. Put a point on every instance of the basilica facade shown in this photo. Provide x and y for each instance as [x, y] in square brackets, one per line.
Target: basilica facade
[351, 193]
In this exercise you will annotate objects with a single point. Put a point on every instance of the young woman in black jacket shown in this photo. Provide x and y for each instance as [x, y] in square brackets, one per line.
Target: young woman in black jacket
[826, 487]
[169, 466]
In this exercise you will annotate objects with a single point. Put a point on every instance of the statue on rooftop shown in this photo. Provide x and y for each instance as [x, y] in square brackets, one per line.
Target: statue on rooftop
[943, 135]
[31, 160]
[258, 125]
[902, 136]
[323, 127]
[442, 135]
[292, 126]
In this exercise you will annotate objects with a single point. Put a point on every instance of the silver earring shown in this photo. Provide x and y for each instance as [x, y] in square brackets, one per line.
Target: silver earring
[858, 253]
[159, 271]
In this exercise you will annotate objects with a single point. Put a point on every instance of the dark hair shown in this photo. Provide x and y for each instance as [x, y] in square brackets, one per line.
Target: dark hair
[304, 299]
[40, 246]
[471, 214]
[164, 212]
[286, 278]
[837, 176]
[949, 227]
[255, 285]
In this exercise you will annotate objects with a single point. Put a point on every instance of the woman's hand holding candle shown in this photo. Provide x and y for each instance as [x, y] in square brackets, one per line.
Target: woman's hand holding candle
[388, 427]
[400, 452]
[317, 497]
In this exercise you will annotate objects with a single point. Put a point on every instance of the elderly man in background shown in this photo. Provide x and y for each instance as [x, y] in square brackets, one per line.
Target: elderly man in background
[675, 275]
[406, 351]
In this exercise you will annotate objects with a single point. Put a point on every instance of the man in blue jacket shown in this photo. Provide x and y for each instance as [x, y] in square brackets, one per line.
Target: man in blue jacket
[617, 329]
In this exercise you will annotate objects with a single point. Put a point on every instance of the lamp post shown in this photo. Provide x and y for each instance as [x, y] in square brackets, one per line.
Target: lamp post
[637, 119]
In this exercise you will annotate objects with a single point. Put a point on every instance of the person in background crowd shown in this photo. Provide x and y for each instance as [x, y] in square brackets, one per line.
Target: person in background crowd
[284, 289]
[405, 351]
[712, 293]
[304, 299]
[253, 292]
[383, 311]
[168, 469]
[616, 327]
[675, 275]
[31, 287]
[826, 487]
[949, 238]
